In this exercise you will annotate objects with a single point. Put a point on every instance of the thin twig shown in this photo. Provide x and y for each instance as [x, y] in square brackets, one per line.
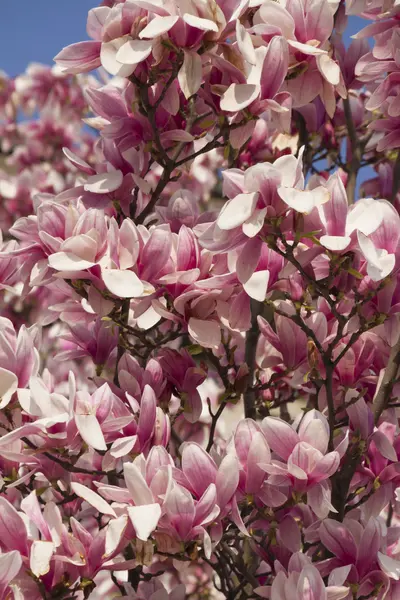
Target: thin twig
[250, 358]
[384, 392]
[355, 150]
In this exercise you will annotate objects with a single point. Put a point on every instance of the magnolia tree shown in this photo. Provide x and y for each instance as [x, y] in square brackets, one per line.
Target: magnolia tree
[200, 335]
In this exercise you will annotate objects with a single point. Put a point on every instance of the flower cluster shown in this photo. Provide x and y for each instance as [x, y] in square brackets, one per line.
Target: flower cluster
[200, 334]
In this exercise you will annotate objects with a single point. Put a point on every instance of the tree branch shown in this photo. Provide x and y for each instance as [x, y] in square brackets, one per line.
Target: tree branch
[250, 358]
[383, 395]
[356, 153]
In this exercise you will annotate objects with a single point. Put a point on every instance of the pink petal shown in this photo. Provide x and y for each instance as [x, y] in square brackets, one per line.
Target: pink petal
[203, 24]
[8, 385]
[238, 96]
[104, 183]
[280, 436]
[66, 261]
[134, 52]
[79, 58]
[205, 333]
[158, 26]
[90, 431]
[236, 211]
[93, 499]
[256, 286]
[124, 284]
[190, 74]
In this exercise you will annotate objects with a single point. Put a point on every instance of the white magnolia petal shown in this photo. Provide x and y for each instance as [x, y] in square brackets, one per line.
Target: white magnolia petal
[190, 74]
[144, 519]
[124, 284]
[90, 431]
[239, 96]
[389, 565]
[386, 265]
[93, 499]
[158, 26]
[206, 333]
[40, 556]
[77, 161]
[203, 24]
[134, 52]
[366, 216]
[237, 211]
[306, 48]
[335, 242]
[304, 201]
[256, 287]
[108, 57]
[329, 68]
[104, 183]
[255, 223]
[66, 261]
[8, 385]
[114, 533]
[245, 43]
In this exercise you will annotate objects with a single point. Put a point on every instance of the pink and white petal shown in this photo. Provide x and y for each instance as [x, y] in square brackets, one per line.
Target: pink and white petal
[319, 500]
[40, 557]
[104, 183]
[306, 48]
[115, 531]
[137, 486]
[108, 57]
[245, 43]
[8, 385]
[335, 243]
[303, 201]
[158, 26]
[389, 565]
[78, 162]
[93, 499]
[281, 437]
[199, 23]
[144, 519]
[123, 446]
[134, 52]
[190, 74]
[206, 333]
[329, 68]
[238, 96]
[337, 592]
[66, 261]
[124, 284]
[255, 223]
[237, 211]
[90, 431]
[10, 564]
[256, 286]
[386, 265]
[384, 446]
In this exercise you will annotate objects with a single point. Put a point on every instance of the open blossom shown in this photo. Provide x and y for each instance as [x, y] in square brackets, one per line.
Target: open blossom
[308, 465]
[199, 328]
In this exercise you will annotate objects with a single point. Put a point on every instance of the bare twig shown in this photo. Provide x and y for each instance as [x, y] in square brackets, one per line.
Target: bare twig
[356, 152]
[250, 358]
[384, 392]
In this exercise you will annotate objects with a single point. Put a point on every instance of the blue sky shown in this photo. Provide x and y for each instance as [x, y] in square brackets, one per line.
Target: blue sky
[36, 30]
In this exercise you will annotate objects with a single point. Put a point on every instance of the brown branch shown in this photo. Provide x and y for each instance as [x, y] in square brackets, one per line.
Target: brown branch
[250, 359]
[396, 178]
[383, 395]
[356, 152]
